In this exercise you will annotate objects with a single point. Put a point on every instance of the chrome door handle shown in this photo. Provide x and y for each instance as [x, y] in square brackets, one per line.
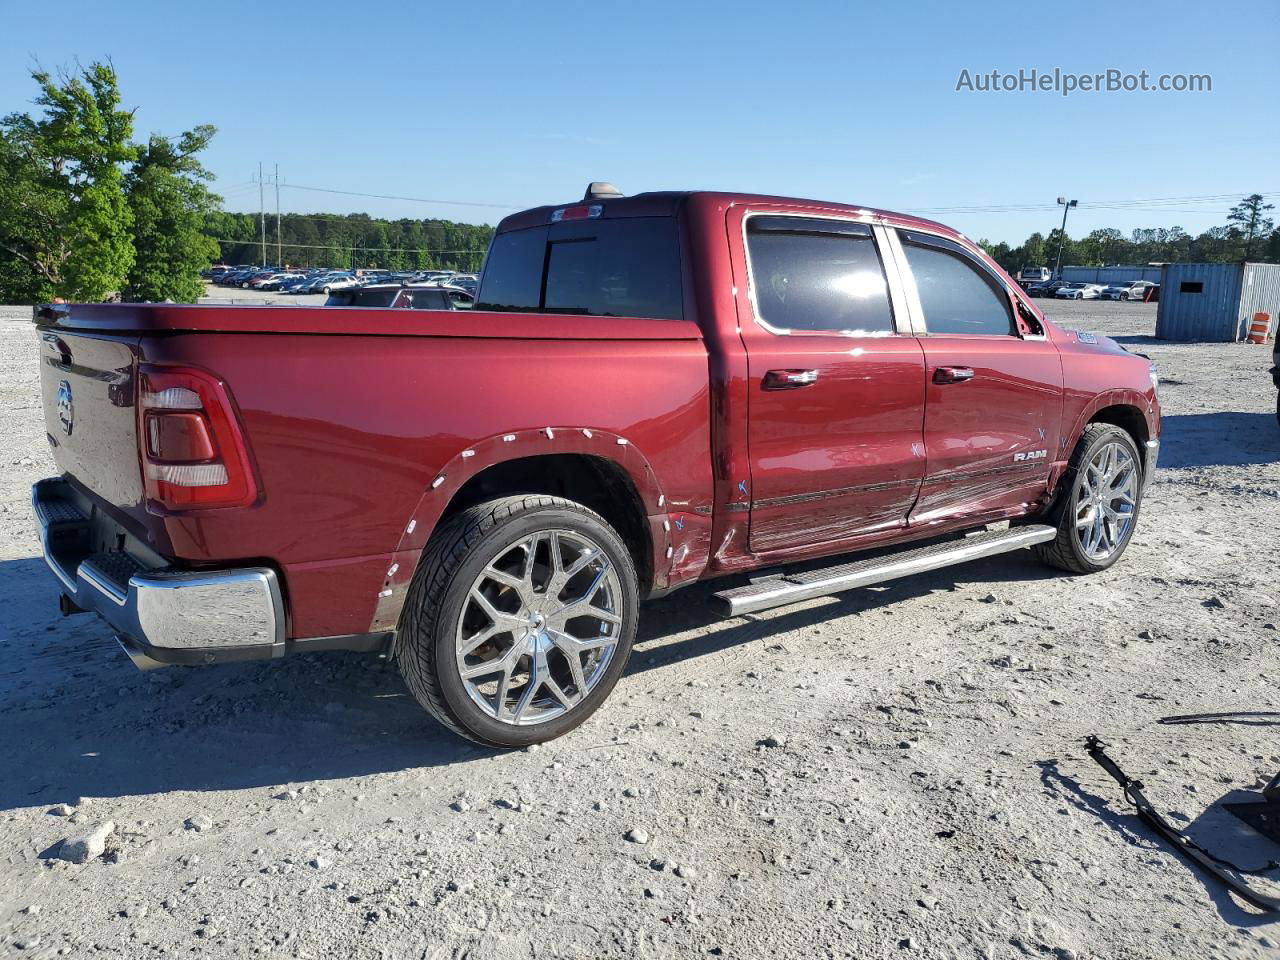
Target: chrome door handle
[952, 374]
[788, 379]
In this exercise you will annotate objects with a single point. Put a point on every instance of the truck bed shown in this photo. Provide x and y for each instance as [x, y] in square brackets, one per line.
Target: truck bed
[362, 424]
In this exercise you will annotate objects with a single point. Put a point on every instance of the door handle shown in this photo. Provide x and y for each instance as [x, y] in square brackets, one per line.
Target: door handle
[952, 374]
[788, 379]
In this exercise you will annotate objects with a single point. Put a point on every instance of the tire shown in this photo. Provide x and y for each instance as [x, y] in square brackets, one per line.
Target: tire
[1124, 296]
[1071, 549]
[529, 633]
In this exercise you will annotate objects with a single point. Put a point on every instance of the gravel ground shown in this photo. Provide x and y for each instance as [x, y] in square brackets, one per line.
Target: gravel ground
[895, 772]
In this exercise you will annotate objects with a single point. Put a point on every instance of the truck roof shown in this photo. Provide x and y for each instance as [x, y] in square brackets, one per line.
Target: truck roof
[668, 203]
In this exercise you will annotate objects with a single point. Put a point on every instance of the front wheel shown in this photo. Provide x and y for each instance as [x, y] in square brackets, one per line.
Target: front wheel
[519, 620]
[1100, 499]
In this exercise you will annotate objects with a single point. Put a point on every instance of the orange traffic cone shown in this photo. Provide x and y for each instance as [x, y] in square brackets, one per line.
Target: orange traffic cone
[1260, 328]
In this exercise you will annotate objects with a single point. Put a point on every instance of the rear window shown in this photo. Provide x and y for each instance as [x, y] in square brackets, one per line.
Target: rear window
[362, 298]
[629, 267]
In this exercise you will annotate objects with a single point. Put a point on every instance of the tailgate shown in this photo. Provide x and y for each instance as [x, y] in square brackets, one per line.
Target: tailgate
[87, 389]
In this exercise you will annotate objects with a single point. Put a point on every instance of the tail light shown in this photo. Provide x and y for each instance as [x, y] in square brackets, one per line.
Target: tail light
[192, 449]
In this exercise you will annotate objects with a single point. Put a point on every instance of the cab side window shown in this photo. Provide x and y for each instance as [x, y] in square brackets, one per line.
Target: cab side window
[817, 275]
[957, 295]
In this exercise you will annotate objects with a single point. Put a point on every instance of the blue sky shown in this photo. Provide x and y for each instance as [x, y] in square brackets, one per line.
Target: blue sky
[523, 103]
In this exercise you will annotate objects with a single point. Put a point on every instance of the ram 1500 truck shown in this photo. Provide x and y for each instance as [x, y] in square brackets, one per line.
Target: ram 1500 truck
[651, 391]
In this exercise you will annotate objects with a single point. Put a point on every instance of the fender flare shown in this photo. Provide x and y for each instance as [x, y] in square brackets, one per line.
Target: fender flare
[669, 539]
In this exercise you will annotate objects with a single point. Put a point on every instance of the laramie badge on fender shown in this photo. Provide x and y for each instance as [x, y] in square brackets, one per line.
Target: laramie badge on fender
[66, 409]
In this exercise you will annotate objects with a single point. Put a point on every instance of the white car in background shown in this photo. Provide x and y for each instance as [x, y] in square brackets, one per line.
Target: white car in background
[1079, 291]
[1128, 291]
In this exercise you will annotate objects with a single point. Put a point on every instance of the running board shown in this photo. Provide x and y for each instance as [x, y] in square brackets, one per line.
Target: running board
[792, 588]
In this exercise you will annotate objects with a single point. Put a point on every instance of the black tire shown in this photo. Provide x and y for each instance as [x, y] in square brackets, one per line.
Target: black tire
[1065, 551]
[454, 557]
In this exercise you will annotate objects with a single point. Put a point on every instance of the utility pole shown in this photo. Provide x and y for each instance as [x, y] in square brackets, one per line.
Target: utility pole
[1062, 235]
[279, 235]
[262, 214]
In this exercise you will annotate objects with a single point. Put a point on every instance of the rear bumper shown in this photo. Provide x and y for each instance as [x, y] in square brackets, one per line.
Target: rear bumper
[163, 615]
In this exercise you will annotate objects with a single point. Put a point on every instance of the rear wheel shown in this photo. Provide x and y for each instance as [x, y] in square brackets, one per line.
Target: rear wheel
[1101, 497]
[519, 621]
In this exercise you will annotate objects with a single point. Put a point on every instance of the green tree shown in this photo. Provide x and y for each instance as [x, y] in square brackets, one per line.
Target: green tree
[169, 200]
[67, 195]
[33, 212]
[1249, 217]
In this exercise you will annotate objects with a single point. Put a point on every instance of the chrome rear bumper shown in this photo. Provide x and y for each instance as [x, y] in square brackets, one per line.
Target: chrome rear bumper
[163, 615]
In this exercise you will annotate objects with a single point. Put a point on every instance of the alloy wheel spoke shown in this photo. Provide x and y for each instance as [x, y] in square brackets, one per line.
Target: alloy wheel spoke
[496, 616]
[505, 663]
[474, 642]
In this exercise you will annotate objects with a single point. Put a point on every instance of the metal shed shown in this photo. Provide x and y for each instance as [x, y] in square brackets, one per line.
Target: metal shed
[1118, 273]
[1215, 301]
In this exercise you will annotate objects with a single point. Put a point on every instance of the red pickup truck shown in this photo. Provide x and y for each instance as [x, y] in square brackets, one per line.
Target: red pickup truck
[650, 391]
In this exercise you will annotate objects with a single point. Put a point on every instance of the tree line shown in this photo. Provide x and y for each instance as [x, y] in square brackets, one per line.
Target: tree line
[351, 240]
[1248, 234]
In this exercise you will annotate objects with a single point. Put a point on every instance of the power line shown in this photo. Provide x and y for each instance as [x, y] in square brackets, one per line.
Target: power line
[383, 196]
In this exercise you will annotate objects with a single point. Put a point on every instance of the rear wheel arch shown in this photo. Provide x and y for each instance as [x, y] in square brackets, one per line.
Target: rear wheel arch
[598, 483]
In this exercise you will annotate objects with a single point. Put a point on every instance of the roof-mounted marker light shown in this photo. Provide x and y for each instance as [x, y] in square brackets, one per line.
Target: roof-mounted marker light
[582, 211]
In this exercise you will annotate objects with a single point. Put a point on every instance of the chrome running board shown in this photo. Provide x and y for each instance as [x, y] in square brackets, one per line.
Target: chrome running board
[792, 588]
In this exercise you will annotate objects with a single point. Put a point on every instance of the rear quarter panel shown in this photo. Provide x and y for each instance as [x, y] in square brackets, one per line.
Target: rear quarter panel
[360, 441]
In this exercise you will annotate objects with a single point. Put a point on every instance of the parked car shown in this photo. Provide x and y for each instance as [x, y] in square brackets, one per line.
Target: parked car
[1078, 291]
[412, 296]
[258, 276]
[1044, 289]
[279, 280]
[339, 281]
[1137, 290]
[488, 496]
[465, 281]
[233, 277]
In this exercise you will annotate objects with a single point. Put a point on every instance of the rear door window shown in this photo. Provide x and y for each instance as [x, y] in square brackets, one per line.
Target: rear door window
[626, 267]
[817, 275]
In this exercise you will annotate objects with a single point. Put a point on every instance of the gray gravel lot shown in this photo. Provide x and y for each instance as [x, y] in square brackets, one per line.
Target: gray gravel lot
[928, 794]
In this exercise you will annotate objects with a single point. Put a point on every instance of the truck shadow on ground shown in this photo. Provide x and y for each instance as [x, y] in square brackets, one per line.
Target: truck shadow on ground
[1230, 439]
[659, 641]
[80, 720]
[1215, 829]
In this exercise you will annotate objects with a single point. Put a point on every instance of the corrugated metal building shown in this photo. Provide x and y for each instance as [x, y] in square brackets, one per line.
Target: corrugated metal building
[1120, 273]
[1215, 301]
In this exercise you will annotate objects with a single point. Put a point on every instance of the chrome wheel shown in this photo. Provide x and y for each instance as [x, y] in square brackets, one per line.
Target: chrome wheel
[539, 627]
[1106, 500]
